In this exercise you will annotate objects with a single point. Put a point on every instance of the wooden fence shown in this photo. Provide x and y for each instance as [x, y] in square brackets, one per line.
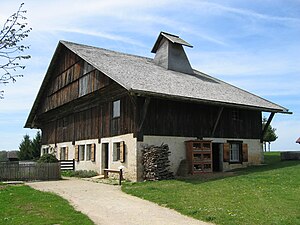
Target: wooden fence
[67, 164]
[25, 171]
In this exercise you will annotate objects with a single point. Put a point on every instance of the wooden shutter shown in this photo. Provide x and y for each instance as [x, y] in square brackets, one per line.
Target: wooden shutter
[122, 151]
[245, 152]
[66, 153]
[76, 153]
[226, 152]
[93, 152]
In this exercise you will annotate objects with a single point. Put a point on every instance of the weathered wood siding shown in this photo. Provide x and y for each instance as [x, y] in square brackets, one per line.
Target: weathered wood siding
[77, 103]
[71, 78]
[174, 118]
[91, 123]
[78, 100]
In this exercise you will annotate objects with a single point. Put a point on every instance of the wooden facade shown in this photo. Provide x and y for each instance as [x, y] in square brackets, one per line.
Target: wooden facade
[78, 99]
[186, 119]
[77, 103]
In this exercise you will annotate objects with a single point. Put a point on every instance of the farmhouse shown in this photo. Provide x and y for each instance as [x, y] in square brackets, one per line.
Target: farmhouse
[101, 107]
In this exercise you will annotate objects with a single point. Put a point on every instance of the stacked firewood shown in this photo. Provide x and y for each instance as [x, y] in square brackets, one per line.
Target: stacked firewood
[156, 162]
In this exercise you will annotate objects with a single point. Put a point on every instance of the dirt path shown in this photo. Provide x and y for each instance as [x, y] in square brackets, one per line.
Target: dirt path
[108, 205]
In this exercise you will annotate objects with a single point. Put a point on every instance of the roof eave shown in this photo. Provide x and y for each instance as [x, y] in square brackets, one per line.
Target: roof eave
[211, 102]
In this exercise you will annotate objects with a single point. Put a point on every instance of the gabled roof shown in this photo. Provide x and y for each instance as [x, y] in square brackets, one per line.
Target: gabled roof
[171, 37]
[140, 75]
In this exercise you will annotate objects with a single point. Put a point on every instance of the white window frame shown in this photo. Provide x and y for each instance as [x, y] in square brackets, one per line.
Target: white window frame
[64, 151]
[45, 150]
[81, 152]
[235, 152]
[116, 109]
[116, 151]
[88, 150]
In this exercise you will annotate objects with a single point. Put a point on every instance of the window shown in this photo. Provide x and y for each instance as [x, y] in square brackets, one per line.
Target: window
[116, 151]
[63, 153]
[45, 150]
[236, 114]
[235, 152]
[88, 152]
[83, 85]
[116, 112]
[119, 151]
[81, 150]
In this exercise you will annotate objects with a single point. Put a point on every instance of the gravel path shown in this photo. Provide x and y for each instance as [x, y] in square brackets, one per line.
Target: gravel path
[108, 205]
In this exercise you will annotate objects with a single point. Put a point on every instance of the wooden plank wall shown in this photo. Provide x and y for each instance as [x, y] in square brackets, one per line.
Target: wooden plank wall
[92, 123]
[71, 78]
[174, 118]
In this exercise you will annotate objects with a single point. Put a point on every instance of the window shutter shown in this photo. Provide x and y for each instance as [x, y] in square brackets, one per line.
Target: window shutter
[66, 153]
[245, 152]
[122, 151]
[226, 152]
[93, 152]
[76, 153]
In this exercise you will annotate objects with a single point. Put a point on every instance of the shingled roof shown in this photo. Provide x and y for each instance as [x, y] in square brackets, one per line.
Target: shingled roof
[140, 75]
[149, 77]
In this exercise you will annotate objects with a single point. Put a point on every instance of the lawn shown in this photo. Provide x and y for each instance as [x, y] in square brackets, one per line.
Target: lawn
[267, 194]
[23, 205]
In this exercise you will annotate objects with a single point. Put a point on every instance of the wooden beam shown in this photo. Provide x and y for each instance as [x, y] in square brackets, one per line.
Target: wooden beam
[217, 121]
[144, 111]
[266, 126]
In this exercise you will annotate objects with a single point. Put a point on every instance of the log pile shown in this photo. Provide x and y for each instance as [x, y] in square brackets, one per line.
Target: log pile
[156, 162]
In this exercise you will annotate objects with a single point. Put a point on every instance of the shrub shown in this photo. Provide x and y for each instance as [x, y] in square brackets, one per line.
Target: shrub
[48, 158]
[79, 173]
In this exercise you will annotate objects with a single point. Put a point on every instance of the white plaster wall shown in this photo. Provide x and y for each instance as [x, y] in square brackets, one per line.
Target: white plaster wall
[176, 146]
[255, 152]
[80, 165]
[178, 151]
[87, 164]
[130, 164]
[133, 169]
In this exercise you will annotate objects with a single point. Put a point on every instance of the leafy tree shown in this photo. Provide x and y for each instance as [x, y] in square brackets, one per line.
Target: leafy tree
[269, 136]
[36, 144]
[25, 148]
[13, 32]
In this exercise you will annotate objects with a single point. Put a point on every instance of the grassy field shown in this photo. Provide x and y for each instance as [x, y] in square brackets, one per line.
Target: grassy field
[258, 195]
[24, 205]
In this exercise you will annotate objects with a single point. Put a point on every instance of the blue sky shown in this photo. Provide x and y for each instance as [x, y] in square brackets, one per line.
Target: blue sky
[252, 44]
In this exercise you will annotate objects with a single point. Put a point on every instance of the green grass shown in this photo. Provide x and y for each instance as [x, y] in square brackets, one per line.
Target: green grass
[23, 205]
[257, 195]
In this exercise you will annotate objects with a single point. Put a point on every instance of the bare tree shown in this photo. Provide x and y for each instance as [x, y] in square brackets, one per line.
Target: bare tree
[13, 32]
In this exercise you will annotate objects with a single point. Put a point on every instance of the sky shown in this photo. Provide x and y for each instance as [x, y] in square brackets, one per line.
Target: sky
[251, 44]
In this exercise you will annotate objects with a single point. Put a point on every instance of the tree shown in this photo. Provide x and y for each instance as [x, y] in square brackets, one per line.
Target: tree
[36, 146]
[30, 149]
[25, 148]
[13, 32]
[269, 136]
